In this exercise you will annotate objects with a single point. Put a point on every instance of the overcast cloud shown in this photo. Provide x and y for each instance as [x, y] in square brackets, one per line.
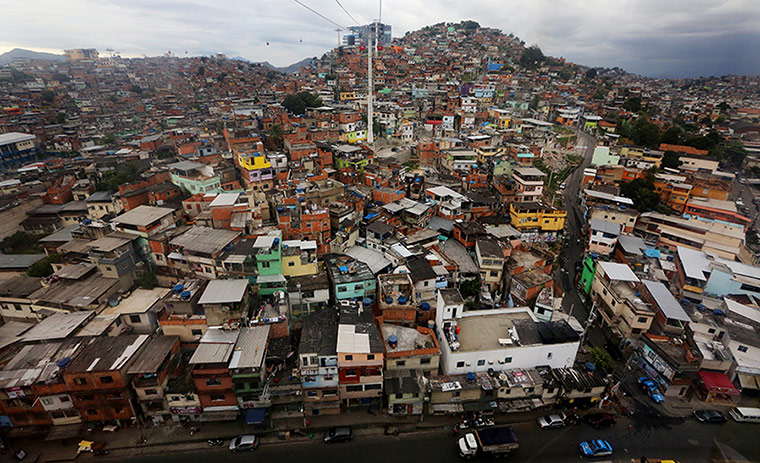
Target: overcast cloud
[660, 38]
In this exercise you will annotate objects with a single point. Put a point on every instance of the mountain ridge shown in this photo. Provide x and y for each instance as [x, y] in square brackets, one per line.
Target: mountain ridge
[22, 53]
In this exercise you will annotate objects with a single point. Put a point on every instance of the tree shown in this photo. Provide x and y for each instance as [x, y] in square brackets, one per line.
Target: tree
[645, 133]
[723, 106]
[632, 104]
[600, 358]
[61, 77]
[147, 280]
[470, 288]
[201, 69]
[671, 159]
[48, 95]
[273, 138]
[297, 103]
[469, 25]
[136, 89]
[672, 136]
[109, 139]
[591, 73]
[532, 56]
[60, 118]
[43, 268]
[641, 191]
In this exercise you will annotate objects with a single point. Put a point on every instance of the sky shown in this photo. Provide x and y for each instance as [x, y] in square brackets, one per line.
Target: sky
[656, 38]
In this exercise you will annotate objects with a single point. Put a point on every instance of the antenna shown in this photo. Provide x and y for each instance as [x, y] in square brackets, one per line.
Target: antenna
[338, 31]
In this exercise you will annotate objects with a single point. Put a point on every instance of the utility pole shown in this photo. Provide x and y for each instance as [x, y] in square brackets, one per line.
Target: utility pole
[338, 31]
[370, 135]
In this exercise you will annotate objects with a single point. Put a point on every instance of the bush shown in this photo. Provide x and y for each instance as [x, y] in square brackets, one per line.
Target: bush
[147, 280]
[601, 358]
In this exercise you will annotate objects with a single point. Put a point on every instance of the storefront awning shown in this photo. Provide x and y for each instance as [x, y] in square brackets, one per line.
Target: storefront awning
[255, 415]
[718, 382]
[749, 382]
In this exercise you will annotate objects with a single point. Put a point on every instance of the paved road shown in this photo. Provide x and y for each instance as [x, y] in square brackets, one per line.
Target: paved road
[683, 440]
[573, 250]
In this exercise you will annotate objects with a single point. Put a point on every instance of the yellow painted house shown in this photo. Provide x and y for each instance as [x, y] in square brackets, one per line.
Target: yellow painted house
[253, 161]
[299, 258]
[345, 96]
[536, 216]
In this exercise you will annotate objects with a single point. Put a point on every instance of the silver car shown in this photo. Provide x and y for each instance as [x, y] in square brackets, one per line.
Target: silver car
[244, 442]
[553, 421]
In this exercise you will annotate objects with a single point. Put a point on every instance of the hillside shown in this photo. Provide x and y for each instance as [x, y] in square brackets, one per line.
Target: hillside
[20, 53]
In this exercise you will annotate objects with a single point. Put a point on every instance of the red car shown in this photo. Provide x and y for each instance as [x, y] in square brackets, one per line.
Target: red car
[600, 420]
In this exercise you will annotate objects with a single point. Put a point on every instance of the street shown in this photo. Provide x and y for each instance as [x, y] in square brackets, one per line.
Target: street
[573, 250]
[683, 440]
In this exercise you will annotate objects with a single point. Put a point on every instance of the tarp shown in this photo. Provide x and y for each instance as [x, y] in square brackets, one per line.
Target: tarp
[255, 415]
[718, 382]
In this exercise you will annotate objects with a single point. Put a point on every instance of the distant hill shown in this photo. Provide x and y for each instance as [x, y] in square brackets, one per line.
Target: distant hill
[20, 53]
[295, 67]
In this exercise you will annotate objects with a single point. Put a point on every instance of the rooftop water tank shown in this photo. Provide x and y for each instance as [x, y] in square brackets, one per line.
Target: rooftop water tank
[178, 288]
[63, 362]
[402, 299]
[185, 295]
[393, 341]
[367, 302]
[388, 300]
[425, 306]
[470, 377]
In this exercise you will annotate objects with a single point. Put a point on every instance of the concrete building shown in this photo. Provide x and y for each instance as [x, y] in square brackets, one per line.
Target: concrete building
[318, 363]
[360, 356]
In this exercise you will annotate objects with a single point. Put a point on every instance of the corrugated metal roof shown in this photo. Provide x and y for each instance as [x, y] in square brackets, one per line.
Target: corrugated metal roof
[251, 347]
[212, 353]
[618, 272]
[665, 301]
[224, 291]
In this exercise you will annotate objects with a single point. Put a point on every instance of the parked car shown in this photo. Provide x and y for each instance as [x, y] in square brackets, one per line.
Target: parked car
[553, 421]
[338, 434]
[600, 420]
[710, 416]
[595, 448]
[244, 442]
[650, 388]
[562, 185]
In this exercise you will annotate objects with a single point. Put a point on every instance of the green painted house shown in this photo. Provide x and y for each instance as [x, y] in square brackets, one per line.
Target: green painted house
[268, 252]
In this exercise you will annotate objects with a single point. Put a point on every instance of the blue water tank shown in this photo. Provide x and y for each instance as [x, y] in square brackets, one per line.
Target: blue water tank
[425, 306]
[63, 362]
[388, 300]
[178, 288]
[87, 221]
[367, 302]
[470, 376]
[185, 295]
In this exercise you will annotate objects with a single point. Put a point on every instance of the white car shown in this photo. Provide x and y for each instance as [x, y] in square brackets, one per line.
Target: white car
[562, 185]
[244, 442]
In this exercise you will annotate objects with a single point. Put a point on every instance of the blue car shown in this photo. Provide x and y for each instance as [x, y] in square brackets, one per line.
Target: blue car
[595, 448]
[648, 386]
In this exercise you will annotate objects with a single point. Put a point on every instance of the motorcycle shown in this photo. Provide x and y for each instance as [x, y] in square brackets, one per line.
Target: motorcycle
[215, 442]
[194, 429]
[481, 423]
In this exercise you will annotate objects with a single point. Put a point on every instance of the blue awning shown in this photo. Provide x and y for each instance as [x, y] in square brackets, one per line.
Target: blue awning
[255, 415]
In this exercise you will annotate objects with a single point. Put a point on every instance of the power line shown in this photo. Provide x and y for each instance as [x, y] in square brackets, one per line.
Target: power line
[346, 11]
[319, 14]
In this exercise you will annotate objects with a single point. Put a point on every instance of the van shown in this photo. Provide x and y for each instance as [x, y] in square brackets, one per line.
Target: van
[745, 414]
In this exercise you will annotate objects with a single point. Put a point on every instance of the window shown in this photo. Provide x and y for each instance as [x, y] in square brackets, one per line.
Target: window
[264, 264]
[494, 273]
[373, 387]
[311, 394]
[358, 287]
[399, 396]
[342, 289]
[196, 332]
[118, 410]
[742, 348]
[507, 359]
[291, 264]
[371, 357]
[64, 399]
[92, 411]
[349, 357]
[460, 364]
[354, 388]
[86, 398]
[213, 382]
[47, 401]
[134, 319]
[351, 372]
[400, 363]
[151, 392]
[80, 381]
[217, 397]
[175, 398]
[481, 362]
[642, 319]
[425, 283]
[106, 379]
[425, 361]
[549, 355]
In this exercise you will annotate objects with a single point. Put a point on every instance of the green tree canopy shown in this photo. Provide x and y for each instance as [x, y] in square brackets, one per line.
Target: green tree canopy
[671, 159]
[641, 191]
[672, 136]
[532, 56]
[297, 103]
[632, 104]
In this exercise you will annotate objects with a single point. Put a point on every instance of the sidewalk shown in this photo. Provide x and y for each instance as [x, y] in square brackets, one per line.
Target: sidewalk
[128, 441]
